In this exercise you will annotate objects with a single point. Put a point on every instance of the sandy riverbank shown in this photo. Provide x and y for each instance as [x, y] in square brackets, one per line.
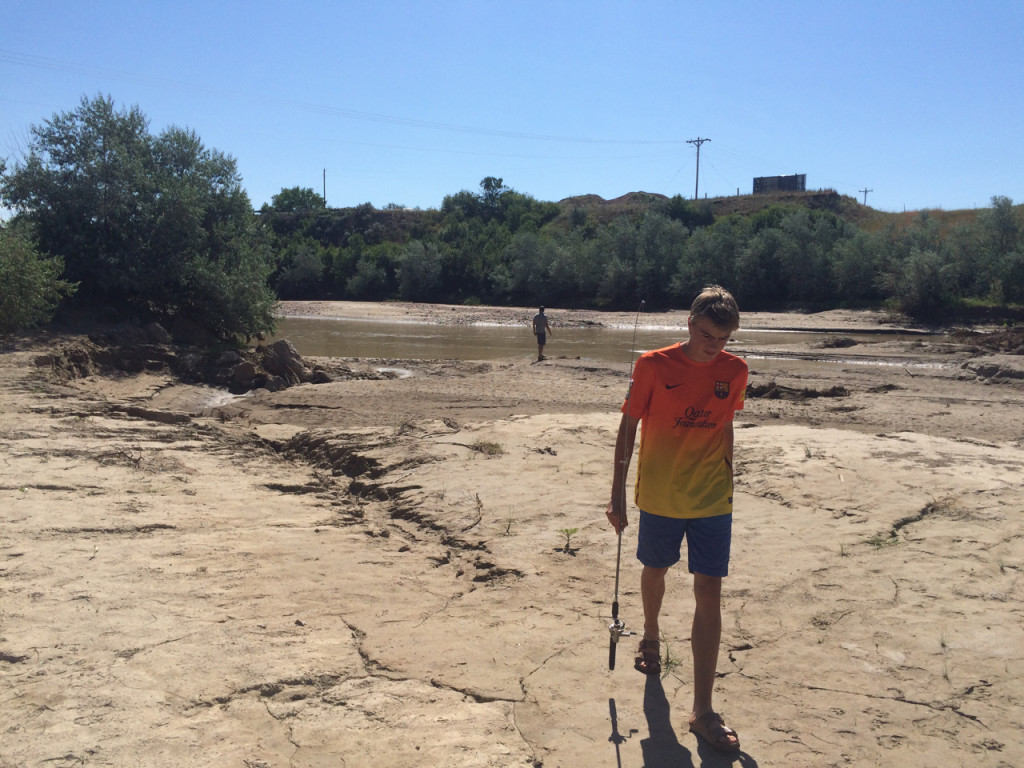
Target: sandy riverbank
[370, 572]
[453, 314]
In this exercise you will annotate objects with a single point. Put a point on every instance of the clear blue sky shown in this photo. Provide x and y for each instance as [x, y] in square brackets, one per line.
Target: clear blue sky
[404, 102]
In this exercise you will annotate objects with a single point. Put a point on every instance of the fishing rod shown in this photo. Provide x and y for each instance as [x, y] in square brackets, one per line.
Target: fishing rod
[617, 629]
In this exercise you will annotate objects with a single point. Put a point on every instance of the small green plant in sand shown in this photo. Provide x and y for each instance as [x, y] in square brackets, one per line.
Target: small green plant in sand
[568, 533]
[808, 453]
[487, 448]
[842, 550]
[944, 644]
[669, 663]
[881, 541]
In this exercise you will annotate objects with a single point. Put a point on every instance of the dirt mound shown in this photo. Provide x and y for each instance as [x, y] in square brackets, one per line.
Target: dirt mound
[1007, 341]
[774, 391]
[274, 367]
[997, 368]
[836, 342]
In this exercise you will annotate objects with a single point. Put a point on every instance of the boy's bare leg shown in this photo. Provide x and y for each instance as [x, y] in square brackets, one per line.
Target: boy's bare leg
[652, 592]
[705, 640]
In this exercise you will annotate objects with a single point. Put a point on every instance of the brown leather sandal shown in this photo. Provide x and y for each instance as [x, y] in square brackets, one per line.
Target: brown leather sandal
[648, 657]
[712, 728]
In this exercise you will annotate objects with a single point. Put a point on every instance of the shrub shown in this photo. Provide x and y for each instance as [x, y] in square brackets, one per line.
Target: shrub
[30, 284]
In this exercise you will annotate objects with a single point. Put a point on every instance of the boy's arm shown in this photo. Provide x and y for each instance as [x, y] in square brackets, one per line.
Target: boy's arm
[624, 442]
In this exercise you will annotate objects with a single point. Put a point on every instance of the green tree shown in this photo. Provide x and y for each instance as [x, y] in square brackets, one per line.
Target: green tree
[855, 268]
[1002, 224]
[30, 284]
[759, 273]
[303, 265]
[156, 225]
[1011, 277]
[419, 272]
[806, 260]
[690, 215]
[661, 243]
[343, 265]
[492, 190]
[523, 212]
[620, 244]
[528, 262]
[297, 199]
[919, 286]
[84, 185]
[710, 258]
[373, 278]
[460, 206]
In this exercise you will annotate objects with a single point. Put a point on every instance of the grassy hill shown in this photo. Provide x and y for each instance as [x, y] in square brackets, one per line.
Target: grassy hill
[634, 204]
[400, 224]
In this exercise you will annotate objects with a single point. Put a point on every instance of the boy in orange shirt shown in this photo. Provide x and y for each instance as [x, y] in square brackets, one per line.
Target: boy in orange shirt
[686, 395]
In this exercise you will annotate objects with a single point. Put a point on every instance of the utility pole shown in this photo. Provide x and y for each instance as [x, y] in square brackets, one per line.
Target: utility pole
[325, 187]
[865, 191]
[698, 141]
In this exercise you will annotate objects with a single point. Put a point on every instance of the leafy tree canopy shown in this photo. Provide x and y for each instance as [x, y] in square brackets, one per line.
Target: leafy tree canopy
[297, 199]
[158, 226]
[30, 284]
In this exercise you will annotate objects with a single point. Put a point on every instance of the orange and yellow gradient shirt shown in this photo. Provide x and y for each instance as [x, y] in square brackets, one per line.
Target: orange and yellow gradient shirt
[685, 408]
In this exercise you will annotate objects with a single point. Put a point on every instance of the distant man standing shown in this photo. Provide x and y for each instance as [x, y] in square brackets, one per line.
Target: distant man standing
[541, 329]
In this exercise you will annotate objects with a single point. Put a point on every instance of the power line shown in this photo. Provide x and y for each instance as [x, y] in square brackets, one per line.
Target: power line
[698, 141]
[43, 62]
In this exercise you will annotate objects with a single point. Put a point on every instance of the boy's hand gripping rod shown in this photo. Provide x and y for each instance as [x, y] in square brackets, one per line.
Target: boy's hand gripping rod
[617, 629]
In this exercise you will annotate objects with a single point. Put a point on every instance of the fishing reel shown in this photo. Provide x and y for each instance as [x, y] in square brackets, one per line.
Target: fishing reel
[617, 630]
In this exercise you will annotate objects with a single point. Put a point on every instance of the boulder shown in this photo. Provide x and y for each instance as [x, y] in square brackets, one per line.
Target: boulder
[244, 374]
[282, 359]
[275, 384]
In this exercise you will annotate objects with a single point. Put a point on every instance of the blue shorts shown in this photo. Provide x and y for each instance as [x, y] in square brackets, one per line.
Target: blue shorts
[542, 339]
[660, 540]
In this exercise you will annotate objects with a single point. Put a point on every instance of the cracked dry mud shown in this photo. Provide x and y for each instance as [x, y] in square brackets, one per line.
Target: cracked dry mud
[370, 572]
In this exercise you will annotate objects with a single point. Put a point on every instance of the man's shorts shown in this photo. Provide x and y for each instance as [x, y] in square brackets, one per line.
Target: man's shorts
[660, 540]
[542, 339]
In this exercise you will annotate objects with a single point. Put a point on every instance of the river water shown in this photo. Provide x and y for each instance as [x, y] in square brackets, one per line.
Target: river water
[342, 337]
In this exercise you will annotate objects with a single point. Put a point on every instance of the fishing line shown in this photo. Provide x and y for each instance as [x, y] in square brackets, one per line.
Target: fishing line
[617, 629]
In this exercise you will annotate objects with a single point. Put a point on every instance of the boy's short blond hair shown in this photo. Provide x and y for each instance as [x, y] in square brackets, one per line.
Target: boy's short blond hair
[717, 305]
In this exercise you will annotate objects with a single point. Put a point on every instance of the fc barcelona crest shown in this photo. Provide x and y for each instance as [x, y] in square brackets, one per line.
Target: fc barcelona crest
[721, 389]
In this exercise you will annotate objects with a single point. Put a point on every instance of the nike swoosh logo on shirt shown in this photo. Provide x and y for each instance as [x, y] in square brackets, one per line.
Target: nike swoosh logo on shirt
[673, 386]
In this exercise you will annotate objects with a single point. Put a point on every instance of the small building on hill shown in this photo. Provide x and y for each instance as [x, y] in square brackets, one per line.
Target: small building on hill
[795, 183]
